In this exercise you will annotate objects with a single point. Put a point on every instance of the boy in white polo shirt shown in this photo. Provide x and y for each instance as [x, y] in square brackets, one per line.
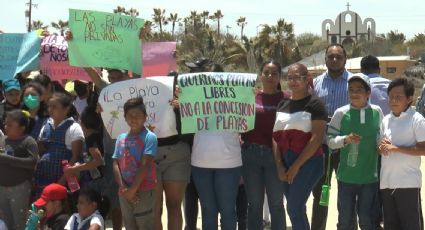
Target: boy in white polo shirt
[402, 145]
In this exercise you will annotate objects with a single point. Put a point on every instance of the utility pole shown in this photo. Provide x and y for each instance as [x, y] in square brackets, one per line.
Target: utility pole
[28, 13]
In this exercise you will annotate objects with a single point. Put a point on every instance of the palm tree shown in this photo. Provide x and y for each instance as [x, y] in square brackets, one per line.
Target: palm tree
[132, 12]
[37, 25]
[185, 22]
[396, 37]
[274, 42]
[148, 29]
[193, 17]
[217, 16]
[242, 23]
[120, 10]
[173, 19]
[60, 25]
[159, 18]
[205, 14]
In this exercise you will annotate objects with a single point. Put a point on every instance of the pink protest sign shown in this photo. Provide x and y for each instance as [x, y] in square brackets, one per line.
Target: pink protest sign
[54, 60]
[158, 58]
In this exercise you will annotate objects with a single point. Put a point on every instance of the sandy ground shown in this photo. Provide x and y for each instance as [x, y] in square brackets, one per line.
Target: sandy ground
[332, 215]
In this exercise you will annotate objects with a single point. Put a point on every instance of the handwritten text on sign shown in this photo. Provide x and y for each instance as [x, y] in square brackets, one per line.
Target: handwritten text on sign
[217, 101]
[156, 93]
[105, 40]
[18, 53]
[54, 60]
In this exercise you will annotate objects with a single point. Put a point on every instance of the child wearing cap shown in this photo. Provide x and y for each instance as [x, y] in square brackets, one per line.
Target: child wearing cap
[401, 147]
[53, 200]
[18, 157]
[12, 98]
[354, 129]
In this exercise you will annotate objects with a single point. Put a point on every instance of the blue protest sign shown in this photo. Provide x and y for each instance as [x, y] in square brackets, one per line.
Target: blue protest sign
[18, 53]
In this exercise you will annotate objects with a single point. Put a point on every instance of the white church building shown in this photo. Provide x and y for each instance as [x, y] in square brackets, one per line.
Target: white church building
[347, 28]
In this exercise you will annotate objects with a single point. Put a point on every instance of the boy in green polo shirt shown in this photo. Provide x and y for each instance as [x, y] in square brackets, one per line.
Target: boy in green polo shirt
[354, 130]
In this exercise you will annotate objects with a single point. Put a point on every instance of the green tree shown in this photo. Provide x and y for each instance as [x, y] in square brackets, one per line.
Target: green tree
[119, 10]
[396, 37]
[173, 18]
[61, 26]
[37, 25]
[205, 15]
[276, 42]
[159, 18]
[242, 23]
[217, 16]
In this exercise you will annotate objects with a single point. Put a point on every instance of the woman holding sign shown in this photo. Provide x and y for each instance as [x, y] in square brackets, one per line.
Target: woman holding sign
[259, 169]
[297, 137]
[216, 171]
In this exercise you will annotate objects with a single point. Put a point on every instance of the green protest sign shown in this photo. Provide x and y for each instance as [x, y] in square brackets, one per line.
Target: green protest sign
[217, 101]
[105, 40]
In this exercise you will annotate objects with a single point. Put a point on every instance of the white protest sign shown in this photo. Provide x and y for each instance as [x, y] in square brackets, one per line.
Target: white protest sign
[156, 93]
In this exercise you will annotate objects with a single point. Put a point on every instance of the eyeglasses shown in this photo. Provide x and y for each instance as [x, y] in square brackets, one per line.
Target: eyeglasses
[295, 79]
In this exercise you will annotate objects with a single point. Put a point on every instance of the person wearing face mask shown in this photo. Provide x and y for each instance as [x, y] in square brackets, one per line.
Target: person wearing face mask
[31, 102]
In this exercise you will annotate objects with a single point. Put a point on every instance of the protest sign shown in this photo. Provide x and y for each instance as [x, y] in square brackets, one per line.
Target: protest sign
[18, 53]
[158, 58]
[54, 60]
[105, 40]
[156, 93]
[217, 101]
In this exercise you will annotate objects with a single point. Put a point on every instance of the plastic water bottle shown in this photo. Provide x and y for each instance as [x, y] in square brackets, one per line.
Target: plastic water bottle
[34, 217]
[94, 173]
[71, 180]
[353, 153]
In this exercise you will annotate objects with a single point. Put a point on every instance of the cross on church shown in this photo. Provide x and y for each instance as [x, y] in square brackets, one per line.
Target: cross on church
[348, 6]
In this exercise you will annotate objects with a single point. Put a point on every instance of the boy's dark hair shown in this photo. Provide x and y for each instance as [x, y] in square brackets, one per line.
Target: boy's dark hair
[134, 103]
[35, 85]
[94, 196]
[90, 118]
[369, 64]
[409, 88]
[20, 117]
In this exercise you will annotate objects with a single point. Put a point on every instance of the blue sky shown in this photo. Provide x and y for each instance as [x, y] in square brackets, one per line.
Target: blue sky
[307, 15]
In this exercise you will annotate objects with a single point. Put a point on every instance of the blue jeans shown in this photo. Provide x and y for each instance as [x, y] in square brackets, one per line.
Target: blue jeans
[360, 197]
[298, 192]
[260, 173]
[218, 189]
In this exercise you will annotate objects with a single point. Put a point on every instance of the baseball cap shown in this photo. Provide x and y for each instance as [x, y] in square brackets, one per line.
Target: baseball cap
[361, 77]
[11, 84]
[198, 63]
[50, 193]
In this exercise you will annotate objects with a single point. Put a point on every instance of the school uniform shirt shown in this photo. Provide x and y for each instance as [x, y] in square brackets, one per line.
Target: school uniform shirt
[73, 133]
[364, 122]
[77, 223]
[216, 149]
[292, 129]
[400, 170]
[129, 151]
[80, 104]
